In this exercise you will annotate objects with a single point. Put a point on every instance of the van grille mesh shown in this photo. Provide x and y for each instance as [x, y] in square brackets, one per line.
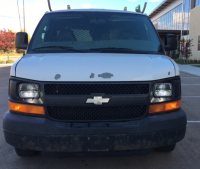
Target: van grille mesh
[88, 89]
[96, 113]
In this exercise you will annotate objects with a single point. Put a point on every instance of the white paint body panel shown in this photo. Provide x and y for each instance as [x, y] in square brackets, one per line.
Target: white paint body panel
[79, 66]
[12, 69]
[177, 72]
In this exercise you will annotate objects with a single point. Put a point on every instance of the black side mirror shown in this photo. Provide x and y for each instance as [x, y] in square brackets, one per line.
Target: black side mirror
[21, 40]
[170, 42]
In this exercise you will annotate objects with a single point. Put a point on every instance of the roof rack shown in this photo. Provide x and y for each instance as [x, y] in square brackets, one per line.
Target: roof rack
[68, 7]
[145, 5]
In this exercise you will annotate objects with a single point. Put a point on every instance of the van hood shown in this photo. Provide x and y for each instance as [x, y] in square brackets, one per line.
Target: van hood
[95, 67]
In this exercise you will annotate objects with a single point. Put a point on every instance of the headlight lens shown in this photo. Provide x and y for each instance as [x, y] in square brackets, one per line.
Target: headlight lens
[29, 90]
[163, 89]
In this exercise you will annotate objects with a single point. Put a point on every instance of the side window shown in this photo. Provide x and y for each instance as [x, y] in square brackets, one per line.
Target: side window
[199, 43]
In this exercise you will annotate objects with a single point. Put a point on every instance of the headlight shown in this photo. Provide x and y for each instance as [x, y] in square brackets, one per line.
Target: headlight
[162, 89]
[28, 90]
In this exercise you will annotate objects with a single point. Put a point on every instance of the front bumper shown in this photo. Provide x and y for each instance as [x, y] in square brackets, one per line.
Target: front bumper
[36, 133]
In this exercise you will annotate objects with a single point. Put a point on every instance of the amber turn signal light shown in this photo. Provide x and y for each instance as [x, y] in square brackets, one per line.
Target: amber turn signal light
[23, 108]
[164, 107]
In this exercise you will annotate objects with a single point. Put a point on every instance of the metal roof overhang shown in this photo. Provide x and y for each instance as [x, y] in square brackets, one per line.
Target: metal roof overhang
[164, 32]
[159, 8]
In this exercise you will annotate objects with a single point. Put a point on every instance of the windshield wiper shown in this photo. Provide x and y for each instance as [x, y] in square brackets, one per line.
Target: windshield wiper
[118, 50]
[111, 48]
[60, 47]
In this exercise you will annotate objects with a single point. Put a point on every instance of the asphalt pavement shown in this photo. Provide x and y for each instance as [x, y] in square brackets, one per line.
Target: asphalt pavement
[190, 69]
[185, 156]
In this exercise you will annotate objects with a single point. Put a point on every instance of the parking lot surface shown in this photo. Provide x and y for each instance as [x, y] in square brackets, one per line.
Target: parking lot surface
[185, 156]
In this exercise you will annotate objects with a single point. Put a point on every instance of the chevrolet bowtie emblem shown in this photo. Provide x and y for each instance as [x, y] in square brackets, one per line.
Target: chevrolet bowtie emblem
[98, 100]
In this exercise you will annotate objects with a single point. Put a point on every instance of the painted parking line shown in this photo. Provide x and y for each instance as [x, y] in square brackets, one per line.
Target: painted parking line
[190, 84]
[190, 77]
[193, 121]
[190, 96]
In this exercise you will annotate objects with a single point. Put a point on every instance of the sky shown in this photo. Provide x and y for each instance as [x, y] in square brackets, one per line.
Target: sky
[35, 9]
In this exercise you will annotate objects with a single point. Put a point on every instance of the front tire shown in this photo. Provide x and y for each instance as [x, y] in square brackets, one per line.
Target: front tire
[26, 153]
[166, 149]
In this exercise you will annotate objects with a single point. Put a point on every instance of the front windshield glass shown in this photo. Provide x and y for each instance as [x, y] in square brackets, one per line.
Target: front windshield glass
[95, 31]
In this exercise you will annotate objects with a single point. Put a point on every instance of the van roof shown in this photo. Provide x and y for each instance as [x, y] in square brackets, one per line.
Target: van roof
[96, 10]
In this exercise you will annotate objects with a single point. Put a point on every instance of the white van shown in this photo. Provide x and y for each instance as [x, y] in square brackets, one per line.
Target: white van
[94, 81]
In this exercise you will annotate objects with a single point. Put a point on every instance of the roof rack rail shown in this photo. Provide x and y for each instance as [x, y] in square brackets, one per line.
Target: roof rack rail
[49, 4]
[68, 7]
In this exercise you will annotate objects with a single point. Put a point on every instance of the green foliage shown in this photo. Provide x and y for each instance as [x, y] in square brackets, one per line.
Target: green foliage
[1, 52]
[177, 56]
[2, 62]
[188, 61]
[196, 66]
[11, 51]
[138, 9]
[20, 51]
[10, 61]
[174, 55]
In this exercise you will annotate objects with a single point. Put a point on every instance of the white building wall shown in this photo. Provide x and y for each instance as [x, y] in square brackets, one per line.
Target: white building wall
[167, 9]
[195, 32]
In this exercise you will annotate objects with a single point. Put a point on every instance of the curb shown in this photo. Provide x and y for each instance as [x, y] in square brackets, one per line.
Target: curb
[6, 64]
[190, 73]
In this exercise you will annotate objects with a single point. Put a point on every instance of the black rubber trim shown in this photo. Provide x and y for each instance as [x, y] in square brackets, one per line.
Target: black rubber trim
[38, 125]
[94, 143]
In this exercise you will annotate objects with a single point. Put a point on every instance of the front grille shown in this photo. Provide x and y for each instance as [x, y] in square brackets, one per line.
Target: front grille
[88, 89]
[96, 113]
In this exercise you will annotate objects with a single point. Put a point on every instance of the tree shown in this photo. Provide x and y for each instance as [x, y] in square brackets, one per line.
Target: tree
[185, 48]
[7, 41]
[138, 9]
[188, 50]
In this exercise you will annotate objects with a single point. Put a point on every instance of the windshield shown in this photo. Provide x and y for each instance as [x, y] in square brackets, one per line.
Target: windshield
[95, 32]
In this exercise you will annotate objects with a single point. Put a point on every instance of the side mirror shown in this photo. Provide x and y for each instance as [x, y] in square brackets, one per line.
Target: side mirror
[21, 40]
[170, 42]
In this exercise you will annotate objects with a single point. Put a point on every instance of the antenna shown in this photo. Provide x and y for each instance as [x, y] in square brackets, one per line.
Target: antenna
[125, 8]
[145, 5]
[49, 4]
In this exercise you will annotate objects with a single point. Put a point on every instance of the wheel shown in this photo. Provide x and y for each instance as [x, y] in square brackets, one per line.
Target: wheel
[26, 153]
[168, 148]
